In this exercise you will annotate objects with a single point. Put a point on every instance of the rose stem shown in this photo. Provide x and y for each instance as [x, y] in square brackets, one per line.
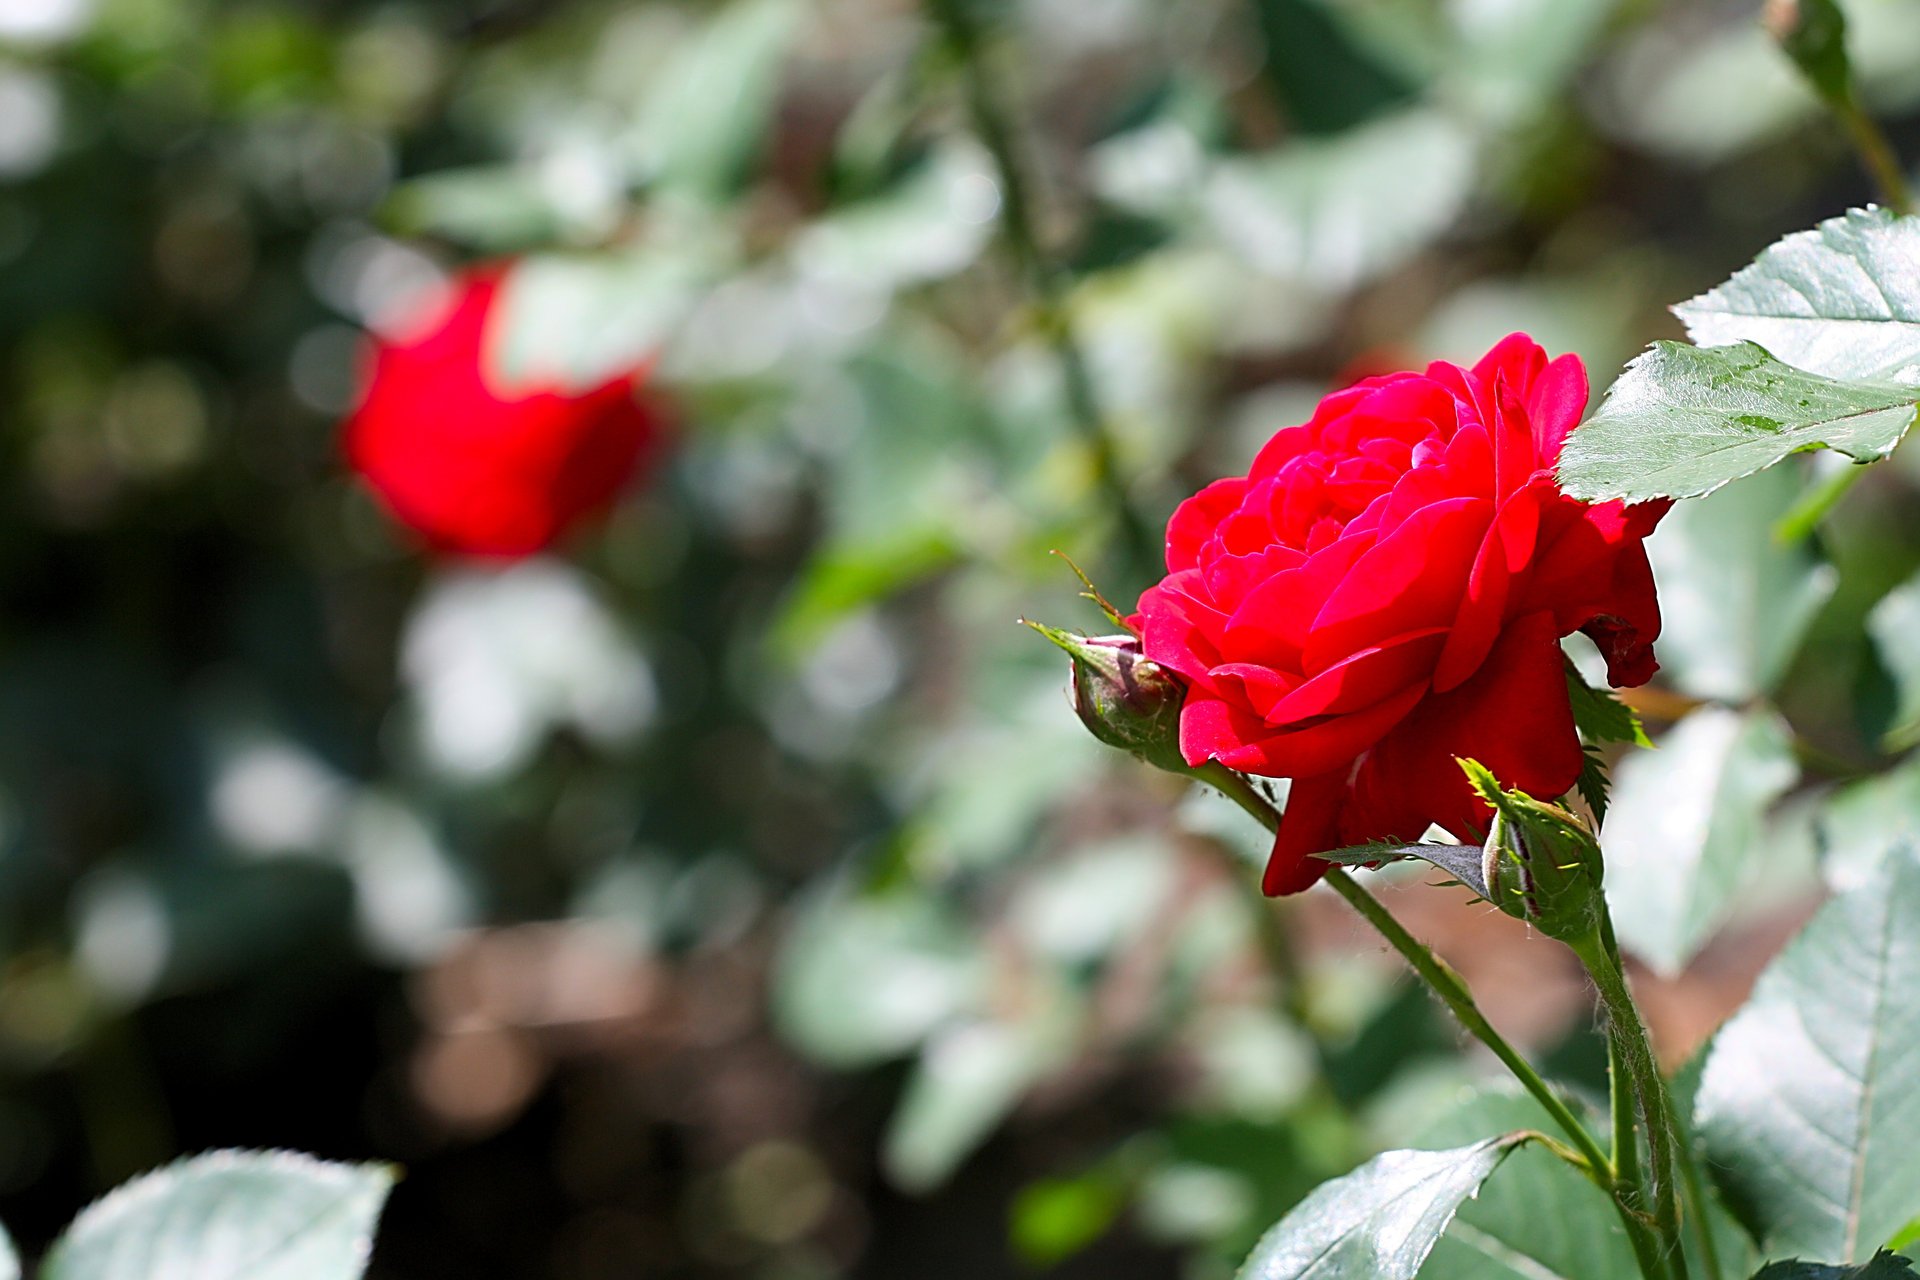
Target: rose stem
[1626, 1140]
[1627, 1038]
[1044, 276]
[1655, 1262]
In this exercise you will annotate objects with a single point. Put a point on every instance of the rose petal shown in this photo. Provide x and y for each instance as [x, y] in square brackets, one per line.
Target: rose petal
[1514, 717]
[1412, 578]
[1214, 729]
[1309, 826]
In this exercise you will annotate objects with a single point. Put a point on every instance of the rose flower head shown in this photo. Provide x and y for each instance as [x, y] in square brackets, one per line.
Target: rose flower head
[1385, 591]
[476, 467]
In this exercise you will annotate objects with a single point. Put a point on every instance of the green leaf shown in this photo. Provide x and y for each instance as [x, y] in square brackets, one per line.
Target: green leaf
[968, 1079]
[229, 1215]
[1326, 80]
[572, 321]
[1600, 718]
[1599, 714]
[1894, 626]
[703, 121]
[1381, 1220]
[1841, 300]
[866, 977]
[1055, 1218]
[1862, 822]
[844, 577]
[494, 208]
[929, 224]
[1334, 212]
[1537, 1218]
[1737, 602]
[1684, 836]
[1884, 1266]
[1682, 421]
[1814, 34]
[1806, 1111]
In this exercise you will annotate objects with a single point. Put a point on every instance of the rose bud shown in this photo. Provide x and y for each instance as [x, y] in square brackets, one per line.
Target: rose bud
[1386, 589]
[1541, 864]
[476, 467]
[1123, 699]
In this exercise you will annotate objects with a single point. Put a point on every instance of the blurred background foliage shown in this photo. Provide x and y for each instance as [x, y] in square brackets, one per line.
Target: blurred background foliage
[731, 893]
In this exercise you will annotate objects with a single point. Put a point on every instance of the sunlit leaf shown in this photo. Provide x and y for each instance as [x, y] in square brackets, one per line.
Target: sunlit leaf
[1537, 1218]
[1684, 833]
[1805, 1110]
[703, 121]
[1334, 212]
[866, 977]
[1681, 421]
[1735, 602]
[1862, 822]
[574, 320]
[229, 1215]
[1381, 1220]
[1842, 299]
[968, 1079]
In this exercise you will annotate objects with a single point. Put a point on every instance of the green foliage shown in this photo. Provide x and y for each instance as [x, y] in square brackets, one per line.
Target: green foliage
[1814, 34]
[1599, 714]
[1883, 1266]
[706, 115]
[1737, 602]
[1600, 718]
[1682, 421]
[867, 976]
[1055, 1218]
[1839, 300]
[1894, 626]
[1326, 79]
[1685, 832]
[968, 1079]
[1381, 1220]
[1802, 1110]
[230, 1215]
[1536, 1216]
[1300, 213]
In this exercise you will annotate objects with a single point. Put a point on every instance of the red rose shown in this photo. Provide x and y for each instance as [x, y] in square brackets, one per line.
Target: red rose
[476, 468]
[1386, 590]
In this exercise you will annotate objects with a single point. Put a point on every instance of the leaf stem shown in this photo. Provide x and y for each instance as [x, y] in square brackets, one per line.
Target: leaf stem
[1876, 153]
[1816, 504]
[1045, 277]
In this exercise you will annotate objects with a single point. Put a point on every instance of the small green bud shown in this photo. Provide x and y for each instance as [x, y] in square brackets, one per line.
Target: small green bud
[1541, 864]
[1125, 699]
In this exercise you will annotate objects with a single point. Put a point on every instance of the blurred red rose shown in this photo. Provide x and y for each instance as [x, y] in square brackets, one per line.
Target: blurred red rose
[480, 469]
[1386, 589]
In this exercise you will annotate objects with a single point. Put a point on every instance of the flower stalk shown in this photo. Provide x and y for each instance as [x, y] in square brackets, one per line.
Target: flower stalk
[1655, 1236]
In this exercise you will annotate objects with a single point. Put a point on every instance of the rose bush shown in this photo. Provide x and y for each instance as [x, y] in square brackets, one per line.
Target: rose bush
[475, 467]
[1386, 589]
